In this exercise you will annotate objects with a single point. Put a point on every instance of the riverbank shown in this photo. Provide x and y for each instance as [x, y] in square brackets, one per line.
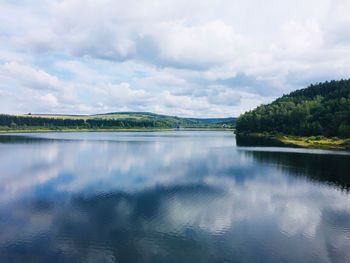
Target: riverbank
[312, 142]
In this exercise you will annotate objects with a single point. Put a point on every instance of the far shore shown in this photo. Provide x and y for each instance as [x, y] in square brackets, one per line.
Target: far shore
[111, 130]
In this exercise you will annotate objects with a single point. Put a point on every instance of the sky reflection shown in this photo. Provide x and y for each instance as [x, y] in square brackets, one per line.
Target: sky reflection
[175, 196]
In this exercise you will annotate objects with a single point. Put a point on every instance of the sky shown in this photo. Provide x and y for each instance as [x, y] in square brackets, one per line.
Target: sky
[193, 58]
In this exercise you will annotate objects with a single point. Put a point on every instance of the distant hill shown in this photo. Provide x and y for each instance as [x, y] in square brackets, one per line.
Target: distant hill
[114, 120]
[321, 109]
[149, 115]
[230, 120]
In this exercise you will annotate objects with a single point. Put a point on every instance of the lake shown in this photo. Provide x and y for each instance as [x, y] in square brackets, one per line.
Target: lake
[172, 196]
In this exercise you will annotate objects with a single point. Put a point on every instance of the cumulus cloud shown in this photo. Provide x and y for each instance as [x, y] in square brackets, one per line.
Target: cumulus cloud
[29, 77]
[202, 46]
[122, 95]
[173, 48]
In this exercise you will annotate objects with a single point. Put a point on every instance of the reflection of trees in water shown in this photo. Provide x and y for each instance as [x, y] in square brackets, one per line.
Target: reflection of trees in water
[176, 220]
[243, 140]
[23, 139]
[320, 167]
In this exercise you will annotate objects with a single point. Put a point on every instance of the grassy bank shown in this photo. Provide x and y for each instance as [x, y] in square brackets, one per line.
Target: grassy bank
[312, 142]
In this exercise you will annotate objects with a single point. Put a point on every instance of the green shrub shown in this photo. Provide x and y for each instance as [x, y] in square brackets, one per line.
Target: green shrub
[320, 137]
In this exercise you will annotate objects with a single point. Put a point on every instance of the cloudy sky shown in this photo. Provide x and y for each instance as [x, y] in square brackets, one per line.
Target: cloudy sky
[193, 58]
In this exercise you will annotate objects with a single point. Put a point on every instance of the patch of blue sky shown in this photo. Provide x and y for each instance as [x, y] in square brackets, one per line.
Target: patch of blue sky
[141, 74]
[88, 97]
[47, 62]
[5, 34]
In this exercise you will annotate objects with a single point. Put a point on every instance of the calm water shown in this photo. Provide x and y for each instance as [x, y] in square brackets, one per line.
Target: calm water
[181, 196]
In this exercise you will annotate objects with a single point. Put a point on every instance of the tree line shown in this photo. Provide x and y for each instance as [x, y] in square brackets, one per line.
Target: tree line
[321, 109]
[35, 122]
[20, 122]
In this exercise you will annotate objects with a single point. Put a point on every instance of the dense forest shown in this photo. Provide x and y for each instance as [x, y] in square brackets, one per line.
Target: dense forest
[322, 109]
[127, 120]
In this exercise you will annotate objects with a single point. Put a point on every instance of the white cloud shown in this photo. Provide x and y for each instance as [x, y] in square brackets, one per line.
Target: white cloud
[302, 37]
[29, 77]
[202, 46]
[122, 95]
[49, 99]
[173, 47]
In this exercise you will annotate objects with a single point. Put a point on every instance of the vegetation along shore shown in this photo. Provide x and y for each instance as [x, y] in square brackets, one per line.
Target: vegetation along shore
[314, 117]
[122, 121]
[311, 142]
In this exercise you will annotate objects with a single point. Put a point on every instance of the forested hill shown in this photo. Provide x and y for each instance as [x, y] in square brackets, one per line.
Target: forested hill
[321, 109]
[116, 120]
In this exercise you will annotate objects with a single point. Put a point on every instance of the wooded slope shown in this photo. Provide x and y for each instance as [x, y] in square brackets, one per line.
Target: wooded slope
[321, 109]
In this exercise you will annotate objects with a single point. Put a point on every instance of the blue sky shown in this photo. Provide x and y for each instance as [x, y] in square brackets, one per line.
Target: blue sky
[210, 58]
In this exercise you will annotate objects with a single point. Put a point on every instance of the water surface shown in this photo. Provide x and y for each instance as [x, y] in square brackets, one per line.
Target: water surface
[177, 196]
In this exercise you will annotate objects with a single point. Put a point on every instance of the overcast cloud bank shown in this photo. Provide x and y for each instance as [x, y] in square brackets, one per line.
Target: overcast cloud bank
[198, 59]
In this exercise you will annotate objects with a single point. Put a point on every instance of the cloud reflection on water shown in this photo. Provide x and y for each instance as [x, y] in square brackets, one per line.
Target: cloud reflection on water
[175, 199]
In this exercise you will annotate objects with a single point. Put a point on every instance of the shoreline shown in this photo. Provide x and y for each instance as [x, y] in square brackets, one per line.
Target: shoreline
[112, 130]
[311, 142]
[79, 130]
